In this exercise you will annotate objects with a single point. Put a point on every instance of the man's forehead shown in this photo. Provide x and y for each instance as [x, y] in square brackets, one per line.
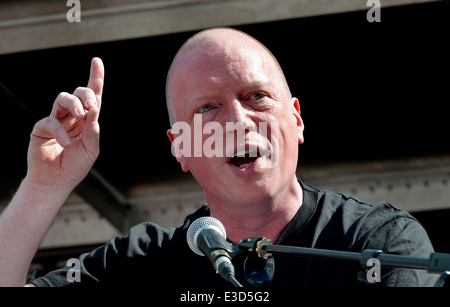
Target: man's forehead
[205, 72]
[234, 59]
[212, 49]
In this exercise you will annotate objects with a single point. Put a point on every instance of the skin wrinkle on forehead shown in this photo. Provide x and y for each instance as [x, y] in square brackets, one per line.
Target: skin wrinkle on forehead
[228, 45]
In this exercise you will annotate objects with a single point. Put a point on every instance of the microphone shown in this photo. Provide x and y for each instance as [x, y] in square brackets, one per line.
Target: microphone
[207, 237]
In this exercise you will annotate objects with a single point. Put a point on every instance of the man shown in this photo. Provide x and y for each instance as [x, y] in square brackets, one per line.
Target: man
[219, 76]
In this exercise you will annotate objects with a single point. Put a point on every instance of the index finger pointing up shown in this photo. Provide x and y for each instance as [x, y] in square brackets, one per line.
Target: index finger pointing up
[96, 77]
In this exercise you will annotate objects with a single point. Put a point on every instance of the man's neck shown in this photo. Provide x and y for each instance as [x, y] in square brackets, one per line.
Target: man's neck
[267, 218]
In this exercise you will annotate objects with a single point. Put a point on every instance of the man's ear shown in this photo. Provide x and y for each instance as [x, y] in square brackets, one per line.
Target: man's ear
[300, 126]
[177, 151]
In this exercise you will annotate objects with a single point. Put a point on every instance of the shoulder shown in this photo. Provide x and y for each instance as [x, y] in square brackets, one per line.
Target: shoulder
[363, 223]
[148, 233]
[353, 207]
[123, 258]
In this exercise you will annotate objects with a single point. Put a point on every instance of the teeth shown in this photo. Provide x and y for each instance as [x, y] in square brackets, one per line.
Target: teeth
[245, 165]
[243, 153]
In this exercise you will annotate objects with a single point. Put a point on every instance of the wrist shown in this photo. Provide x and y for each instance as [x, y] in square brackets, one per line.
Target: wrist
[48, 194]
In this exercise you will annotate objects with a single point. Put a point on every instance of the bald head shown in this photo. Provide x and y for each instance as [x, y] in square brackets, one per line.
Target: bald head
[217, 43]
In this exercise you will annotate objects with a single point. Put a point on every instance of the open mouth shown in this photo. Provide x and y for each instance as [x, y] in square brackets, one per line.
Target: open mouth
[245, 158]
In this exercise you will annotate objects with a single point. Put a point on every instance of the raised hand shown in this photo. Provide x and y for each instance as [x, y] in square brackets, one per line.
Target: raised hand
[63, 148]
[65, 145]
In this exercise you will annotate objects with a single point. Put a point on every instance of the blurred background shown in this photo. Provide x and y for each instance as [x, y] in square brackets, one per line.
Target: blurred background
[374, 97]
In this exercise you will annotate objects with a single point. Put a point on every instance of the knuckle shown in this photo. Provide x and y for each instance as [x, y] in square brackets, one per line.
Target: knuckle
[52, 123]
[66, 101]
[83, 91]
[62, 95]
[84, 94]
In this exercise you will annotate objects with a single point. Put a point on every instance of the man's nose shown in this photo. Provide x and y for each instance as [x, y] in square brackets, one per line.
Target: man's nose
[238, 114]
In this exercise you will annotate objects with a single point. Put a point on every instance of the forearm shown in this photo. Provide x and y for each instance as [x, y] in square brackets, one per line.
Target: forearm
[23, 226]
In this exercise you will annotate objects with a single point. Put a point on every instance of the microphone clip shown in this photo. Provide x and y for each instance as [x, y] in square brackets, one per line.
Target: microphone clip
[255, 246]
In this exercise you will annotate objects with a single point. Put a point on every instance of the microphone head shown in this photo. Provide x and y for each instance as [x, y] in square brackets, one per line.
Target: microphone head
[200, 225]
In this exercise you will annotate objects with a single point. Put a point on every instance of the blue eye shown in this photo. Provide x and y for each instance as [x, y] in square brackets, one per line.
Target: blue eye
[205, 108]
[258, 95]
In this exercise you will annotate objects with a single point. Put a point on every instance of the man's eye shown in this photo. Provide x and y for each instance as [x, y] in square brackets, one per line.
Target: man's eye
[205, 108]
[258, 95]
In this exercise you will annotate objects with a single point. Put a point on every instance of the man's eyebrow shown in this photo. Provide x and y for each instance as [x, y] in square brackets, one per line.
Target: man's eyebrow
[258, 83]
[201, 99]
[265, 86]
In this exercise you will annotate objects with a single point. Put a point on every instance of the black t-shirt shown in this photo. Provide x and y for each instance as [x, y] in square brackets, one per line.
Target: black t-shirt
[156, 257]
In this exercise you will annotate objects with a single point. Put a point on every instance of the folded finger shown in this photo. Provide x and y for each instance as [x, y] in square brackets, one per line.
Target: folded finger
[86, 96]
[51, 128]
[66, 103]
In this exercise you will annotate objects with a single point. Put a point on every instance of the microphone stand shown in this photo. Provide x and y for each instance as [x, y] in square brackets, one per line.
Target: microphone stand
[437, 263]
